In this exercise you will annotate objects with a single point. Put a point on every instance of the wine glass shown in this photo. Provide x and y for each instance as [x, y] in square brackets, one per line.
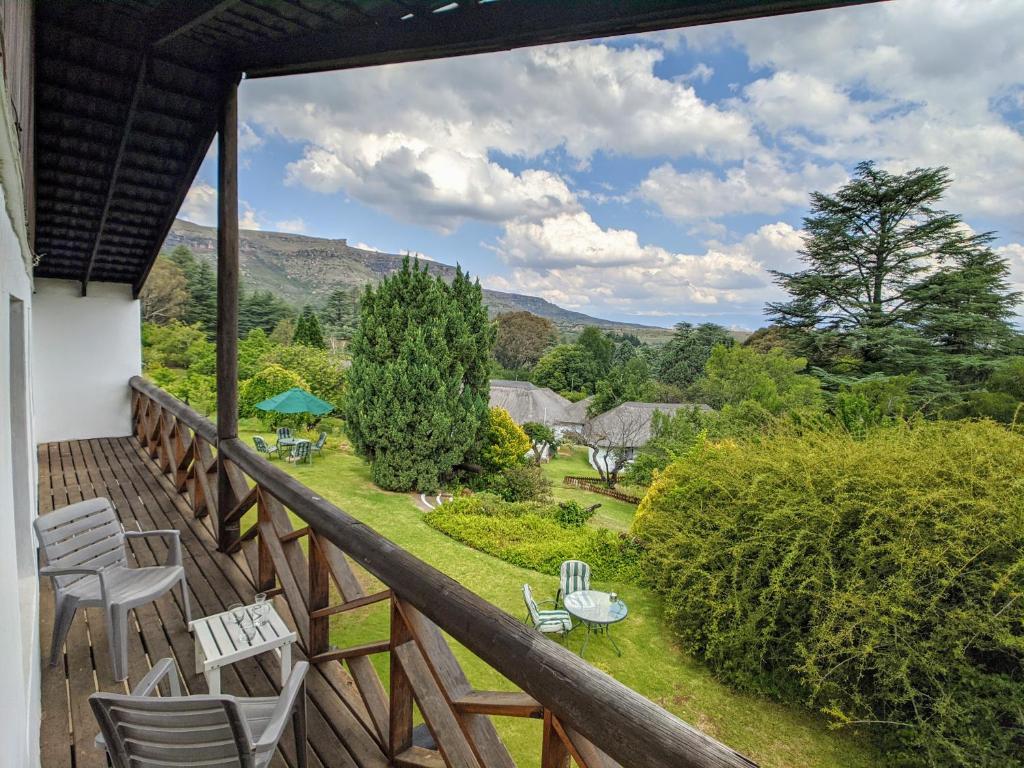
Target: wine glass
[260, 606]
[238, 612]
[247, 630]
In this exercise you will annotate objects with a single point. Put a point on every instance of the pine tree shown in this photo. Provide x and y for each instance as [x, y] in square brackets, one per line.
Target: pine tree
[681, 361]
[201, 307]
[261, 309]
[891, 278]
[418, 388]
[308, 331]
[340, 313]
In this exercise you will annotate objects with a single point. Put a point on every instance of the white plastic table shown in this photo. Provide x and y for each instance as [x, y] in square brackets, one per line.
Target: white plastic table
[219, 642]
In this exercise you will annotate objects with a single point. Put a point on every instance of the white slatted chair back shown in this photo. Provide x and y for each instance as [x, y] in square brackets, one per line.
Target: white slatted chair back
[84, 535]
[146, 732]
[575, 576]
[531, 604]
[283, 433]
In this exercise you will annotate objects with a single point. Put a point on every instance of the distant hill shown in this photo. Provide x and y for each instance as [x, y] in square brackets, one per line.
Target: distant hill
[303, 269]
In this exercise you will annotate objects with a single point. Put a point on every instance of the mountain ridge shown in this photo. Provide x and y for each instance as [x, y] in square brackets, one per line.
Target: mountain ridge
[304, 269]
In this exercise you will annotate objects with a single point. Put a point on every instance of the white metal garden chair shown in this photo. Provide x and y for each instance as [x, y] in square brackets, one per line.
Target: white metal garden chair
[84, 547]
[215, 731]
[574, 576]
[546, 621]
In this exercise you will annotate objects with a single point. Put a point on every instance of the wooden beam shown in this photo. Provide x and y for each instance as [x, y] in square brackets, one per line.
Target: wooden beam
[359, 602]
[175, 17]
[474, 28]
[126, 129]
[506, 703]
[227, 307]
[366, 649]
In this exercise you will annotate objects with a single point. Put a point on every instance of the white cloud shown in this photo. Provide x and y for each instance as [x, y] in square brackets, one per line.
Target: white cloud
[574, 262]
[295, 226]
[908, 84]
[200, 205]
[1014, 254]
[247, 217]
[418, 140]
[366, 247]
[418, 182]
[759, 185]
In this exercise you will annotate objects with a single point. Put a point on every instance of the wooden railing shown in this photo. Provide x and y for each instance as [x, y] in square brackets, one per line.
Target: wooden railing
[587, 716]
[597, 485]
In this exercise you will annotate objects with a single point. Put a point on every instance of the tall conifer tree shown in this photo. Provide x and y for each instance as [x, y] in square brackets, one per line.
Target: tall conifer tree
[417, 393]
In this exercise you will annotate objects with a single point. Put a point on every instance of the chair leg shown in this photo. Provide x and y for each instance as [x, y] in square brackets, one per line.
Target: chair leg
[185, 603]
[63, 616]
[299, 727]
[117, 629]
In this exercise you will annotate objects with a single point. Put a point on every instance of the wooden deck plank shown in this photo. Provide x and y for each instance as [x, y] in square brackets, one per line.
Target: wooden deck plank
[120, 470]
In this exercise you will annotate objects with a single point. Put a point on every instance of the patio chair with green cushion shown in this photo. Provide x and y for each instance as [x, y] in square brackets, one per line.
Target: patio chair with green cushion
[574, 576]
[548, 622]
[318, 446]
[283, 433]
[146, 730]
[301, 451]
[264, 448]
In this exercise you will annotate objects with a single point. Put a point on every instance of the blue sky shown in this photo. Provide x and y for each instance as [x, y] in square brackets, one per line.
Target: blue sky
[653, 178]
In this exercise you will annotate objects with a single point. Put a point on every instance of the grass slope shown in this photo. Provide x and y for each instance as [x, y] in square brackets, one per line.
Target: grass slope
[774, 735]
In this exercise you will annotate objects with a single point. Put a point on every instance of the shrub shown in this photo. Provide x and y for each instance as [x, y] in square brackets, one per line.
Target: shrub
[879, 580]
[570, 514]
[272, 380]
[505, 442]
[520, 482]
[529, 535]
[321, 371]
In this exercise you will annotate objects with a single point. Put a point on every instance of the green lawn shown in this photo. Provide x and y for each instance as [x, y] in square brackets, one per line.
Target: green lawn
[613, 514]
[770, 733]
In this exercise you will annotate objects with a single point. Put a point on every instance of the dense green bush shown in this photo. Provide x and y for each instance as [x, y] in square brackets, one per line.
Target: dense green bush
[571, 514]
[529, 534]
[880, 579]
[519, 482]
[272, 380]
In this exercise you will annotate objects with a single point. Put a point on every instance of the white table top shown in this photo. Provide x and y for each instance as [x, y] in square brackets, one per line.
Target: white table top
[223, 643]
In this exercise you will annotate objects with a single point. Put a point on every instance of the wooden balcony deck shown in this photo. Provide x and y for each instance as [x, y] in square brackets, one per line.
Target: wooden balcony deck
[340, 733]
[236, 533]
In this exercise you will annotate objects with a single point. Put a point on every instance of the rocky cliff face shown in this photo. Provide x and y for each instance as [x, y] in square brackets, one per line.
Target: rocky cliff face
[304, 269]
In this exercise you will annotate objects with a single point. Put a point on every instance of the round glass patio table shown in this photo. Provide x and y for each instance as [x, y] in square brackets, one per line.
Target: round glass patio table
[597, 612]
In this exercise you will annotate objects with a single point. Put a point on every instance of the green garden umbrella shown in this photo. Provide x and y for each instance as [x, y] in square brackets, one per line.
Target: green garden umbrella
[295, 400]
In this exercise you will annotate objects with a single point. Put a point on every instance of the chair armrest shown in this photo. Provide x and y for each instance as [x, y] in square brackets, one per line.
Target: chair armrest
[163, 668]
[286, 702]
[54, 570]
[545, 602]
[173, 546]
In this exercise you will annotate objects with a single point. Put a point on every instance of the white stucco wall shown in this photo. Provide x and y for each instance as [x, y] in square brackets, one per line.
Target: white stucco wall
[19, 587]
[84, 350]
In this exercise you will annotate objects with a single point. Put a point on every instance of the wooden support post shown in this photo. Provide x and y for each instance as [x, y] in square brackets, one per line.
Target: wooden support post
[266, 576]
[554, 753]
[319, 597]
[227, 306]
[400, 727]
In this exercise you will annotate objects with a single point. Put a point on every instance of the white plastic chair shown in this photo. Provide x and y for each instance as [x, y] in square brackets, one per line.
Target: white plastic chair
[214, 731]
[84, 547]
